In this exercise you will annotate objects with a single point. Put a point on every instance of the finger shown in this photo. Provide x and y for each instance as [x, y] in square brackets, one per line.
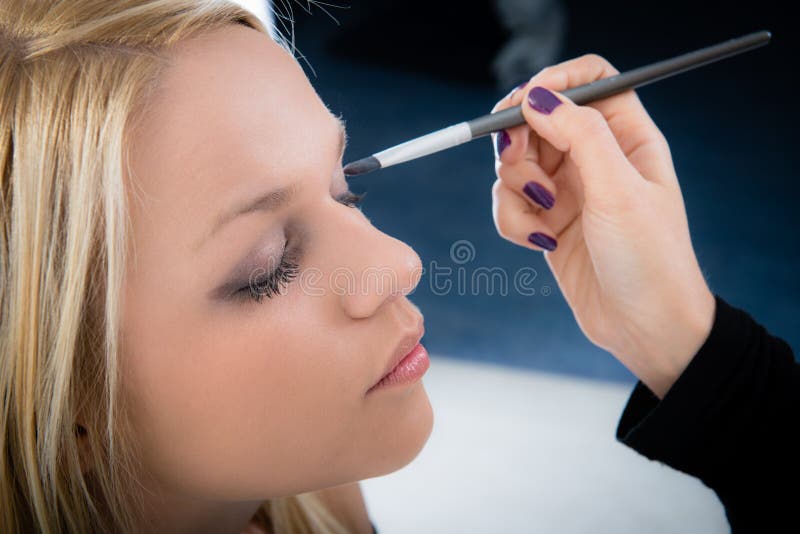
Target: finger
[537, 148]
[528, 179]
[567, 208]
[511, 144]
[637, 135]
[584, 134]
[623, 111]
[521, 143]
[516, 223]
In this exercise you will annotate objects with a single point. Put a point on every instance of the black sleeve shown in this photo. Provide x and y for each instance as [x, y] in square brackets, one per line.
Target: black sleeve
[731, 420]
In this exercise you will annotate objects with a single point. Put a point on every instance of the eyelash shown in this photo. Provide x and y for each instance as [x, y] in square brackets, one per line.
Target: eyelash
[272, 283]
[351, 199]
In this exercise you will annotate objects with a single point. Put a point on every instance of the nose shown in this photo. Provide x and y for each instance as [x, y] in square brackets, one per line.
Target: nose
[375, 268]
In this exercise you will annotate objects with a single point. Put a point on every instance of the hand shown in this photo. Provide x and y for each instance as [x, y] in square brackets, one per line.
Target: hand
[594, 186]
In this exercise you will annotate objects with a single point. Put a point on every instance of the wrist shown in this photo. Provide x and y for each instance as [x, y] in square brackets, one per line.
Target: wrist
[663, 356]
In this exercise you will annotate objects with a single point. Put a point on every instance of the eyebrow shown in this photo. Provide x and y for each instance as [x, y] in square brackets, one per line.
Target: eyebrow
[269, 201]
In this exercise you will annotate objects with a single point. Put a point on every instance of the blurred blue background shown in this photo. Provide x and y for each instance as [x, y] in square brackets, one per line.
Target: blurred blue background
[395, 70]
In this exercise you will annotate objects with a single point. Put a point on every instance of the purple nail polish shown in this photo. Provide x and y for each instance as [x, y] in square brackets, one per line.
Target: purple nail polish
[543, 100]
[539, 194]
[502, 140]
[543, 240]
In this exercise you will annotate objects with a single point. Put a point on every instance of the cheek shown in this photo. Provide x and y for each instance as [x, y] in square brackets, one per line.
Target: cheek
[249, 401]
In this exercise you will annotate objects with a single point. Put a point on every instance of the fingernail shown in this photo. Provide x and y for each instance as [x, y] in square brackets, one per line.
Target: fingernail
[539, 194]
[502, 140]
[543, 100]
[543, 240]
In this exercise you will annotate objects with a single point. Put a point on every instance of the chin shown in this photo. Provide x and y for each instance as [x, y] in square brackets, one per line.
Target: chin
[407, 437]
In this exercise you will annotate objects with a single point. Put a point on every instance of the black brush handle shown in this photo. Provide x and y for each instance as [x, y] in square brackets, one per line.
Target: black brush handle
[631, 79]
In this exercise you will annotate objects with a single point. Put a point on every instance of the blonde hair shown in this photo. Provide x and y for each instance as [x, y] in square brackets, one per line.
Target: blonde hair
[72, 74]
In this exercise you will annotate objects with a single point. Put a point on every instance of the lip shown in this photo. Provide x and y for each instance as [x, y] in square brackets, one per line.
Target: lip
[402, 349]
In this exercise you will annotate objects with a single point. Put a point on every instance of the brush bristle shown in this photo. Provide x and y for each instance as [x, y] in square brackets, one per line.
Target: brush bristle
[362, 166]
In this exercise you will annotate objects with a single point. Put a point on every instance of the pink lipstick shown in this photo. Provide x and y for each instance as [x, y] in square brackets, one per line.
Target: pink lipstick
[408, 370]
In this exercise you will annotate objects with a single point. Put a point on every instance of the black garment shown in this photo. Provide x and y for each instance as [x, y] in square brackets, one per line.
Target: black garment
[731, 420]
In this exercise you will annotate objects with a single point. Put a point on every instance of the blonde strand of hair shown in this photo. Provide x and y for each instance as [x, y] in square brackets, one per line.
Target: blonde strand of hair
[72, 75]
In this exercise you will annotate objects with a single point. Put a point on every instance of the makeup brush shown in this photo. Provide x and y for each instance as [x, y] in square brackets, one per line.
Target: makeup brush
[468, 130]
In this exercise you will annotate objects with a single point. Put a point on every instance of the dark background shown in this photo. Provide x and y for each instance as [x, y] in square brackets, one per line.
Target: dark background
[395, 70]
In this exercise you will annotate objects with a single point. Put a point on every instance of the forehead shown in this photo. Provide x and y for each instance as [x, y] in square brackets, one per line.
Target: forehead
[233, 112]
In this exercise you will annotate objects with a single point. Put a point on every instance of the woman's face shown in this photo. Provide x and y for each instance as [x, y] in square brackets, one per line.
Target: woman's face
[234, 398]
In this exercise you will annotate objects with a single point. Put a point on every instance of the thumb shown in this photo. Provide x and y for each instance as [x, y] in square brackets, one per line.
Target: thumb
[583, 133]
